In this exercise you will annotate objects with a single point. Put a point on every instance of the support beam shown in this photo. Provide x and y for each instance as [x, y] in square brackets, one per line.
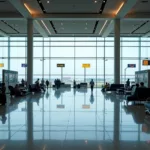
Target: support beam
[39, 28]
[117, 52]
[108, 28]
[122, 11]
[26, 13]
[21, 8]
[69, 17]
[30, 51]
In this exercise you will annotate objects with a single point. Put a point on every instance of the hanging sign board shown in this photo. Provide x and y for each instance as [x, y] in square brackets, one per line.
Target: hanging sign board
[61, 106]
[146, 62]
[131, 66]
[1, 65]
[24, 65]
[60, 65]
[86, 65]
[86, 106]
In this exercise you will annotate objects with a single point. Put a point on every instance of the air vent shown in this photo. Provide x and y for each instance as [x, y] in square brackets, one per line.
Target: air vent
[144, 1]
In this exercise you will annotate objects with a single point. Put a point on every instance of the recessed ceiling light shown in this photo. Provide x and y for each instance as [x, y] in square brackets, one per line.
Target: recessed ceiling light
[47, 1]
[61, 23]
[104, 1]
[95, 1]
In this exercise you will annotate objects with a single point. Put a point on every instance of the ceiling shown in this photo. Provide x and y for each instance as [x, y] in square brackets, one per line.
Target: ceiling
[75, 17]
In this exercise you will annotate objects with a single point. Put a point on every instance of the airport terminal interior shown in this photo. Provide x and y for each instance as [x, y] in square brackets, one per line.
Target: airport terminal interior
[64, 70]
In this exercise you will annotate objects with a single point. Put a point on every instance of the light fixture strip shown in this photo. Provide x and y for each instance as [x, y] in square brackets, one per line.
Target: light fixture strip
[45, 26]
[103, 27]
[27, 8]
[119, 7]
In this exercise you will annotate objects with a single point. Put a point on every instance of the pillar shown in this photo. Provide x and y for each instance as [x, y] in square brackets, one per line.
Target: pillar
[30, 51]
[117, 52]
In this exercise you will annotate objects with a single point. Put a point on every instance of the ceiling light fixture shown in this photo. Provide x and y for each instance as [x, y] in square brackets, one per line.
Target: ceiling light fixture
[103, 27]
[45, 27]
[95, 1]
[104, 1]
[48, 2]
[28, 8]
[119, 7]
[61, 23]
[86, 23]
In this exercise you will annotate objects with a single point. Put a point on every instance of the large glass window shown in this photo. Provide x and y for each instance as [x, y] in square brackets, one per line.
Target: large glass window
[73, 52]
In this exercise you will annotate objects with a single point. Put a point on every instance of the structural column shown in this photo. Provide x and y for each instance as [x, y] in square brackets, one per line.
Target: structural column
[117, 52]
[30, 51]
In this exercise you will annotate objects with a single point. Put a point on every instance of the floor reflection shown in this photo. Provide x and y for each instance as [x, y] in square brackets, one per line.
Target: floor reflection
[73, 119]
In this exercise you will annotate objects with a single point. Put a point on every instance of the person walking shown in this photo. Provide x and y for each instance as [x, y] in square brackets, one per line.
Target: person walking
[92, 85]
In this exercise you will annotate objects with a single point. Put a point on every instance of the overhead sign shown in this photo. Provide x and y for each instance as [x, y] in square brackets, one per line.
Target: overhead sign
[1, 65]
[86, 65]
[60, 65]
[131, 65]
[146, 62]
[61, 106]
[86, 106]
[24, 65]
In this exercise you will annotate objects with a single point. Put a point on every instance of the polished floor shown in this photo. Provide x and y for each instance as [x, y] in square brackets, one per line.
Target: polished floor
[73, 120]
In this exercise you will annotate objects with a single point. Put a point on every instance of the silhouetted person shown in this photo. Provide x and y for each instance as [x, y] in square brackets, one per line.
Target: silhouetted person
[128, 83]
[23, 82]
[47, 84]
[92, 85]
[3, 90]
[133, 93]
[142, 85]
[74, 84]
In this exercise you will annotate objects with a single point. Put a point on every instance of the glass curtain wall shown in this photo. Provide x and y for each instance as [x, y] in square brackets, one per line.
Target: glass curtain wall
[73, 52]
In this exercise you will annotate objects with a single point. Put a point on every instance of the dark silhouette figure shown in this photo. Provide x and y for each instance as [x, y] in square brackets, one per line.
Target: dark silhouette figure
[92, 85]
[47, 84]
[3, 94]
[128, 83]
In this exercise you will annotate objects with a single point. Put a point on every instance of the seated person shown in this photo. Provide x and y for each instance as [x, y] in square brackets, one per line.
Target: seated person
[17, 90]
[37, 85]
[142, 85]
[3, 95]
[105, 87]
[133, 93]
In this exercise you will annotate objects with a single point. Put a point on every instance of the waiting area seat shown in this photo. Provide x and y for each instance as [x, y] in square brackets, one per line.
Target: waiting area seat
[141, 94]
[114, 87]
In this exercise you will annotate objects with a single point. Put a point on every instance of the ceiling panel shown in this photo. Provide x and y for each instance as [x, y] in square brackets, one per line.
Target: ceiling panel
[133, 27]
[6, 28]
[74, 27]
[141, 6]
[20, 25]
[72, 6]
[15, 27]
[5, 6]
